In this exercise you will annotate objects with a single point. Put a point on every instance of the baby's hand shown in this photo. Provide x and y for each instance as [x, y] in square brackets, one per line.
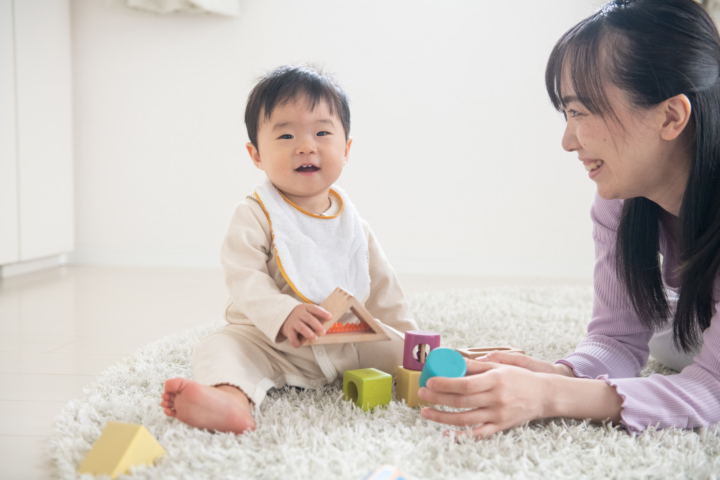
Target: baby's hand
[305, 321]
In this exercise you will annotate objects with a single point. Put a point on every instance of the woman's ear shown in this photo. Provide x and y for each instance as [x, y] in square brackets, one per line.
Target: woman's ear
[675, 115]
[254, 154]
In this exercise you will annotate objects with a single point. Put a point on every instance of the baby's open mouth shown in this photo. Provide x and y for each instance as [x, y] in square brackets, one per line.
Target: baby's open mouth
[307, 168]
[594, 166]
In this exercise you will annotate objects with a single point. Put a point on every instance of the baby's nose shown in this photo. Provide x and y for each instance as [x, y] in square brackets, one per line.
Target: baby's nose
[306, 148]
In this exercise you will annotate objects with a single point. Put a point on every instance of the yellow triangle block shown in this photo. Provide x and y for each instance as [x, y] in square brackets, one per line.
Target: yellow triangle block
[121, 446]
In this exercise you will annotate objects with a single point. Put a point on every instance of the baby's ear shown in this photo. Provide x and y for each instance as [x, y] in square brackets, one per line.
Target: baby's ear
[347, 150]
[254, 155]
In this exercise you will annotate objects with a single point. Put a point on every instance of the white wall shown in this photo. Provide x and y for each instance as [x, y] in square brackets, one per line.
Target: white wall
[456, 159]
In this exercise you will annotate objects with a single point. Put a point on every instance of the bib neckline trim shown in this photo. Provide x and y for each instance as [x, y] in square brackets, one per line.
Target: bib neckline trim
[314, 215]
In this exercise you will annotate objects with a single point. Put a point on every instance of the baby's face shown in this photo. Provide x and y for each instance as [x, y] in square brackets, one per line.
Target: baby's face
[302, 151]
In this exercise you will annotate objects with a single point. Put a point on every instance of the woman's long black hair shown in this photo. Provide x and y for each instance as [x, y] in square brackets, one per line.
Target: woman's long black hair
[654, 50]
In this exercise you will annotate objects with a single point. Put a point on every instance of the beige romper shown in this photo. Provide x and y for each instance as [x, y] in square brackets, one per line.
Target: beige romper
[251, 353]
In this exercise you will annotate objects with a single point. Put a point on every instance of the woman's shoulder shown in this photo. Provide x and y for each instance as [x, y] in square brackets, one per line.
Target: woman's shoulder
[606, 213]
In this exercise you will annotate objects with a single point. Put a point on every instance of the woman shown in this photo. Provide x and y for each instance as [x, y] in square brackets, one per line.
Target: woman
[639, 84]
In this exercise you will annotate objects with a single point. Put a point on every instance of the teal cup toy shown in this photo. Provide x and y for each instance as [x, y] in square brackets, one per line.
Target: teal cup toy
[443, 362]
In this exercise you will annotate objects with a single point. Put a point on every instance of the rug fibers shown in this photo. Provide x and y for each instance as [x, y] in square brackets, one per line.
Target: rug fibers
[315, 434]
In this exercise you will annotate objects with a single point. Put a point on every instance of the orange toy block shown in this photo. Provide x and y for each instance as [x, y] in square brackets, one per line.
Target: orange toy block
[119, 447]
[338, 303]
[473, 353]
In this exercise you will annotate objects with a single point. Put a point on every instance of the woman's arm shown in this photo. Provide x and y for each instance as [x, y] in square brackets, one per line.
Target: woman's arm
[617, 341]
[503, 396]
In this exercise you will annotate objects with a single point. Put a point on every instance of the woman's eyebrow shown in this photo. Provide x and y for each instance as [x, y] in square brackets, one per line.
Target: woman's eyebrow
[570, 98]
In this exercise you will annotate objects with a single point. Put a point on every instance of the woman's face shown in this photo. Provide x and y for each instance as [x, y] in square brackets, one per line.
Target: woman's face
[625, 154]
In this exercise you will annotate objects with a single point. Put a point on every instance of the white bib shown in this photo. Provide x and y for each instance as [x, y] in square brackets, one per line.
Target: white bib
[317, 254]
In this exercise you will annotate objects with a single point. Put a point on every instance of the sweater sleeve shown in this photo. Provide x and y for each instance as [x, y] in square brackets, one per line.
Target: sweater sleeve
[616, 348]
[386, 301]
[244, 256]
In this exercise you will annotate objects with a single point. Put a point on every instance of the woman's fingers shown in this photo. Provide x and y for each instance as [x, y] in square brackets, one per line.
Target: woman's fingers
[459, 419]
[474, 367]
[485, 430]
[470, 384]
[518, 360]
[478, 400]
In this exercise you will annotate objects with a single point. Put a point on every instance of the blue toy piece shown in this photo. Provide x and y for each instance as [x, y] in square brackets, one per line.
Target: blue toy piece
[443, 362]
[386, 472]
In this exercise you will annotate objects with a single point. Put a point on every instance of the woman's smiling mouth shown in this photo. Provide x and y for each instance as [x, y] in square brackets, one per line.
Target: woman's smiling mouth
[590, 166]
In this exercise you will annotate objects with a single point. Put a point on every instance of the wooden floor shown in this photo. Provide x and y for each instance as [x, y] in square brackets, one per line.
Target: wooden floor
[59, 328]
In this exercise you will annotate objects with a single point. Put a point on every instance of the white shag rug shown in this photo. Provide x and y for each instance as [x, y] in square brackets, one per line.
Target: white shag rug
[317, 435]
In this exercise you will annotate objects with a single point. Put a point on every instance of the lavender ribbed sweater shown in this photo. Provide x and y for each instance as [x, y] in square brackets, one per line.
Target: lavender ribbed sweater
[616, 347]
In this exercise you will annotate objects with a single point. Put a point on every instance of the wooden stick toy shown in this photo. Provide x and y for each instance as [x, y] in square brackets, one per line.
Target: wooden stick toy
[338, 303]
[473, 353]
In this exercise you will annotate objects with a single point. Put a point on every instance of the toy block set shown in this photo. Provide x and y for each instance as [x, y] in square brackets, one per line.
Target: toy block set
[122, 446]
[423, 357]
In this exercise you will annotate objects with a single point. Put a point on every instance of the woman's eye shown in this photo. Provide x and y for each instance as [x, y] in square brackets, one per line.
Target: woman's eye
[287, 136]
[572, 113]
[323, 133]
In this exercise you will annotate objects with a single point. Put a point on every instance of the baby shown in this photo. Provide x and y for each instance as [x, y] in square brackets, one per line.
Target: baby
[289, 245]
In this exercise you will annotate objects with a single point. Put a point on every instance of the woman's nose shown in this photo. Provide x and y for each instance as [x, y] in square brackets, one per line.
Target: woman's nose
[569, 140]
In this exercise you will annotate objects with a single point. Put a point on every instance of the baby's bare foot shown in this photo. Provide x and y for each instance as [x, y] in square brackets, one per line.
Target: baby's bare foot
[221, 409]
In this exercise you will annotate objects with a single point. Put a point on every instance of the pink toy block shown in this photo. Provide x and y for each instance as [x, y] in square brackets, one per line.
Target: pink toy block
[421, 341]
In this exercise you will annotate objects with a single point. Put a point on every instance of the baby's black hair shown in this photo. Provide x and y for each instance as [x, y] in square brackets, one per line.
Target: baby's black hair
[295, 82]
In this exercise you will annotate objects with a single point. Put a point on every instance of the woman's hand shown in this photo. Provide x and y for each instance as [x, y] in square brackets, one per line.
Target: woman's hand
[499, 396]
[528, 363]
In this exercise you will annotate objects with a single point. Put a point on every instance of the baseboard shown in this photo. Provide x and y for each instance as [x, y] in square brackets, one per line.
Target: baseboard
[30, 266]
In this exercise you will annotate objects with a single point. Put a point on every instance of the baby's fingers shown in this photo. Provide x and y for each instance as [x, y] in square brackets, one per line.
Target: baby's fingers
[306, 331]
[293, 338]
[319, 312]
[314, 324]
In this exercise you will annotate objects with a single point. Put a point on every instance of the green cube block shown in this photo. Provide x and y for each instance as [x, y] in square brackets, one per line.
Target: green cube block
[367, 387]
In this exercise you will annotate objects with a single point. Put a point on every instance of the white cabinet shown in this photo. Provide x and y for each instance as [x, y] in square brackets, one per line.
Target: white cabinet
[9, 244]
[36, 160]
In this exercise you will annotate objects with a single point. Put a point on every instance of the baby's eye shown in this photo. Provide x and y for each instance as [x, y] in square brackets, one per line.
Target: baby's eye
[323, 133]
[287, 136]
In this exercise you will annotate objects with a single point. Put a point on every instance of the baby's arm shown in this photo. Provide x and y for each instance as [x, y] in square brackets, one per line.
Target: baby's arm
[387, 300]
[244, 256]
